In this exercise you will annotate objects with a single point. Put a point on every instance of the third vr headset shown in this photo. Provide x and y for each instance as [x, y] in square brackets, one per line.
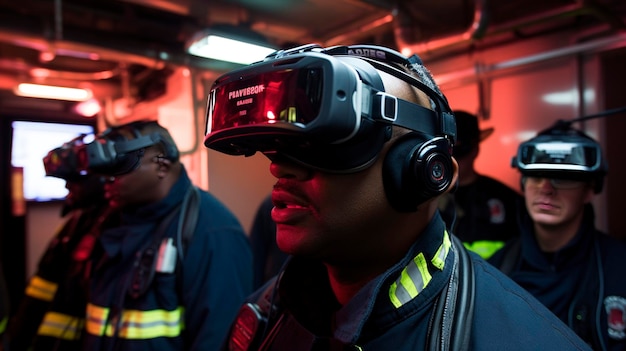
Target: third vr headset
[111, 153]
[63, 161]
[562, 153]
[324, 108]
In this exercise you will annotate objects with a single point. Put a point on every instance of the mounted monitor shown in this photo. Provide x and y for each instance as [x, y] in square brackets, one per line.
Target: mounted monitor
[31, 142]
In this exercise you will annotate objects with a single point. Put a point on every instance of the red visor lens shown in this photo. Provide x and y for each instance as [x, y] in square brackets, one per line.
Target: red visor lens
[292, 96]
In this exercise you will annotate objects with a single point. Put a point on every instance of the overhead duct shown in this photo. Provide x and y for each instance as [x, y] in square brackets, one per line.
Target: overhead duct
[405, 29]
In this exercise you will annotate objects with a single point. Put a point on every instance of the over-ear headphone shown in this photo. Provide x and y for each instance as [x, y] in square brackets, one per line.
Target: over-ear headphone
[416, 169]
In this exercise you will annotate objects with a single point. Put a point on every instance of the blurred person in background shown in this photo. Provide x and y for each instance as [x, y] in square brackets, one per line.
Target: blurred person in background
[481, 211]
[50, 316]
[173, 271]
[561, 258]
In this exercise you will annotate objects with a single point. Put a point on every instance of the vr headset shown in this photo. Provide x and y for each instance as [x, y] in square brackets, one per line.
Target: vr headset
[324, 108]
[112, 154]
[63, 162]
[566, 154]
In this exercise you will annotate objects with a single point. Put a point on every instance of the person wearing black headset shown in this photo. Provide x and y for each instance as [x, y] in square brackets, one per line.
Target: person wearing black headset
[171, 274]
[359, 138]
[573, 268]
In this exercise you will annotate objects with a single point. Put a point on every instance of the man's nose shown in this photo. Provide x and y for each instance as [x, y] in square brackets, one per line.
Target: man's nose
[282, 168]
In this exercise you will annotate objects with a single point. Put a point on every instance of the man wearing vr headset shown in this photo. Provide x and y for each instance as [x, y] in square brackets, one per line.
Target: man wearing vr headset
[53, 306]
[174, 270]
[561, 258]
[359, 139]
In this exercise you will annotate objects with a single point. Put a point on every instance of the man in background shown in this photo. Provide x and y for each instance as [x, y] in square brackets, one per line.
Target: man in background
[481, 211]
[560, 257]
[50, 316]
[171, 274]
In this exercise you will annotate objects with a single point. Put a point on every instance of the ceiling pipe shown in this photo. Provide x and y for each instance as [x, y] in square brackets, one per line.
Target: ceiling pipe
[403, 29]
[77, 49]
[478, 71]
[372, 25]
[479, 29]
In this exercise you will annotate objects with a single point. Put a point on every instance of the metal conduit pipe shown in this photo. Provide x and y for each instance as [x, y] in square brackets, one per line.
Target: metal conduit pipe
[612, 42]
[78, 49]
[476, 30]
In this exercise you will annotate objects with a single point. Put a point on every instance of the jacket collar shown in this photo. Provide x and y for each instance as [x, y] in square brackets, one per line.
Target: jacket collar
[305, 291]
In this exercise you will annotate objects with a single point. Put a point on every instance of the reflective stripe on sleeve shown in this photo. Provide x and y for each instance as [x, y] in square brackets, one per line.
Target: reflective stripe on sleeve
[135, 324]
[61, 326]
[41, 289]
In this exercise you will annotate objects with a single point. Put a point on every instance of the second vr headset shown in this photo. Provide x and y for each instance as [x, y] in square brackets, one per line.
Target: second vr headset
[566, 154]
[325, 108]
[113, 154]
[63, 161]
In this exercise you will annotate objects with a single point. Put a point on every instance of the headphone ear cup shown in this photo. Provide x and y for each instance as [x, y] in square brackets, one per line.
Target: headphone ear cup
[416, 170]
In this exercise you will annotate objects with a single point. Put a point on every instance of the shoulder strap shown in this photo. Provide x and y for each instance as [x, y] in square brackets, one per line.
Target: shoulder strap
[451, 322]
[146, 260]
[188, 219]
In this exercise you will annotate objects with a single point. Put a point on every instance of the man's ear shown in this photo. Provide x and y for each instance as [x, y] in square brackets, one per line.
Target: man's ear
[164, 165]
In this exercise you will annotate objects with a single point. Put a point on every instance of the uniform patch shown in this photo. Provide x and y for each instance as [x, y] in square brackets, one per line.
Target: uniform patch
[615, 307]
[496, 211]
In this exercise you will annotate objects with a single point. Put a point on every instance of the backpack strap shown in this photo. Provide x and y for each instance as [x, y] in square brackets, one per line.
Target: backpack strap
[451, 322]
[147, 259]
[188, 220]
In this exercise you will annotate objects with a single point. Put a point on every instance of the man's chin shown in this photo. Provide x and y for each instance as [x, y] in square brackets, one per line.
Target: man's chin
[290, 239]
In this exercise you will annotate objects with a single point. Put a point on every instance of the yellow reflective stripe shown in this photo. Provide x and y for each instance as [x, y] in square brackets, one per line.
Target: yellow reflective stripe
[136, 324]
[41, 289]
[96, 319]
[416, 275]
[440, 257]
[61, 326]
[3, 324]
[412, 281]
[484, 248]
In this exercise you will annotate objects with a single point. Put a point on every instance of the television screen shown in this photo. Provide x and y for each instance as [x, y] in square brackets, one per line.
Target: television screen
[31, 142]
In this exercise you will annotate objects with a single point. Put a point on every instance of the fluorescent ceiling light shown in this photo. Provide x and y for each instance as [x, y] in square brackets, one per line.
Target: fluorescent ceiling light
[221, 48]
[88, 108]
[53, 92]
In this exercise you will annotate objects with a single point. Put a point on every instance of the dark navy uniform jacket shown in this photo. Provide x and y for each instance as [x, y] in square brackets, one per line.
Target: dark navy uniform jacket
[190, 308]
[51, 313]
[584, 283]
[393, 311]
